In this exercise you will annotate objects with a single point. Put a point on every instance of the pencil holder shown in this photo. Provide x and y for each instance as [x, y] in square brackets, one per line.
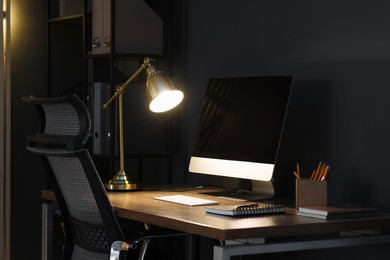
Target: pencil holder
[310, 193]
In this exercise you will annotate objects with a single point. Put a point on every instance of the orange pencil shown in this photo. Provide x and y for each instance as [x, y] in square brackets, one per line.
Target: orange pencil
[312, 175]
[325, 175]
[317, 172]
[322, 171]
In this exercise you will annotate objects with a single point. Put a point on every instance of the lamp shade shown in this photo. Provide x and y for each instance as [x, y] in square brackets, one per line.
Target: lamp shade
[161, 92]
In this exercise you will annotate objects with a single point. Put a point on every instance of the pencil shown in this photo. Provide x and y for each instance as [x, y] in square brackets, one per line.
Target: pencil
[296, 175]
[319, 171]
[322, 171]
[325, 175]
[312, 175]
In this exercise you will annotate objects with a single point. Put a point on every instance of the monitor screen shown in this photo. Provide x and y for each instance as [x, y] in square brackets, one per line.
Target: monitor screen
[240, 127]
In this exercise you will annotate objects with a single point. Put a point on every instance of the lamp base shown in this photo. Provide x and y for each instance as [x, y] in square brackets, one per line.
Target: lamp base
[120, 183]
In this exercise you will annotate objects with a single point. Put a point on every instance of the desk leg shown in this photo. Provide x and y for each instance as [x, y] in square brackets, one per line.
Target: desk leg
[220, 253]
[47, 230]
[190, 244]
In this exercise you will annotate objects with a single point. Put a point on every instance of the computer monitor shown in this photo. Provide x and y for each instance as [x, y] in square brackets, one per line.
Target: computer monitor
[240, 129]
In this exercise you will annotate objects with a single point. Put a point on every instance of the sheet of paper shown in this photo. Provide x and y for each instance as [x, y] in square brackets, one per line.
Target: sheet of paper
[187, 200]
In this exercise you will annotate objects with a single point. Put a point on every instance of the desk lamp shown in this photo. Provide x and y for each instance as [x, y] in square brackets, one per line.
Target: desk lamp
[162, 95]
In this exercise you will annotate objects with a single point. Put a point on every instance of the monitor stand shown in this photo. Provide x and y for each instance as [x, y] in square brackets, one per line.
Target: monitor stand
[261, 190]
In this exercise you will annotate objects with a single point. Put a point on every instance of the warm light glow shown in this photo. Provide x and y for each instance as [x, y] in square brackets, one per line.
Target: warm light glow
[4, 34]
[166, 101]
[161, 91]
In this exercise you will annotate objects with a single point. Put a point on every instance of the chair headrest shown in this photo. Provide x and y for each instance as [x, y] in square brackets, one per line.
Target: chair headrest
[64, 120]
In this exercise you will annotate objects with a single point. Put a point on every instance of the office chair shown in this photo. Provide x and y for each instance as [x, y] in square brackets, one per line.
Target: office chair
[92, 230]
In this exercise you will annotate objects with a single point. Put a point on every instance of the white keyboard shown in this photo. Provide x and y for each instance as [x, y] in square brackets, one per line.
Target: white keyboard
[187, 200]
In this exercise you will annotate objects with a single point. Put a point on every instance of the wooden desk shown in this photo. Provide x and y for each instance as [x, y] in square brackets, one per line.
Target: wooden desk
[141, 206]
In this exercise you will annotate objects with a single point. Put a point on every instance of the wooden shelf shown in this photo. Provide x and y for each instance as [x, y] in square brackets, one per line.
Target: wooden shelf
[72, 19]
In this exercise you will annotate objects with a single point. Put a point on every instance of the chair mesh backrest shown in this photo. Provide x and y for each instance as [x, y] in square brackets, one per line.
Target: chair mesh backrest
[89, 221]
[75, 189]
[89, 231]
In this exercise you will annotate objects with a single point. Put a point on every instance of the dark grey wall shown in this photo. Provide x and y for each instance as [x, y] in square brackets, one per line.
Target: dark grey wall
[339, 55]
[338, 52]
[28, 76]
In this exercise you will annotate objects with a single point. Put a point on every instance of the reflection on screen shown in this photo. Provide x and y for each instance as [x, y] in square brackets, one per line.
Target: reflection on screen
[241, 126]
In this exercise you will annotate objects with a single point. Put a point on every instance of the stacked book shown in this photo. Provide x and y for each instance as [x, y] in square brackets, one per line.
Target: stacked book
[336, 212]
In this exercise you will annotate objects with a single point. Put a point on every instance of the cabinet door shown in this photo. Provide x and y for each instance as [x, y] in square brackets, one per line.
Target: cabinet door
[138, 29]
[101, 26]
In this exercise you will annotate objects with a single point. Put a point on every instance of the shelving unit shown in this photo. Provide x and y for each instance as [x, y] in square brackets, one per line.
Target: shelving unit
[74, 67]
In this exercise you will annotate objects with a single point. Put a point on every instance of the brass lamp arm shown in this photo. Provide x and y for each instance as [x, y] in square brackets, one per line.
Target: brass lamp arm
[122, 88]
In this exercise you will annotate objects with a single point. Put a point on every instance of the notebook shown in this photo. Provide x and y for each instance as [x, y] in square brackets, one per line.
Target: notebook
[187, 200]
[337, 212]
[247, 209]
